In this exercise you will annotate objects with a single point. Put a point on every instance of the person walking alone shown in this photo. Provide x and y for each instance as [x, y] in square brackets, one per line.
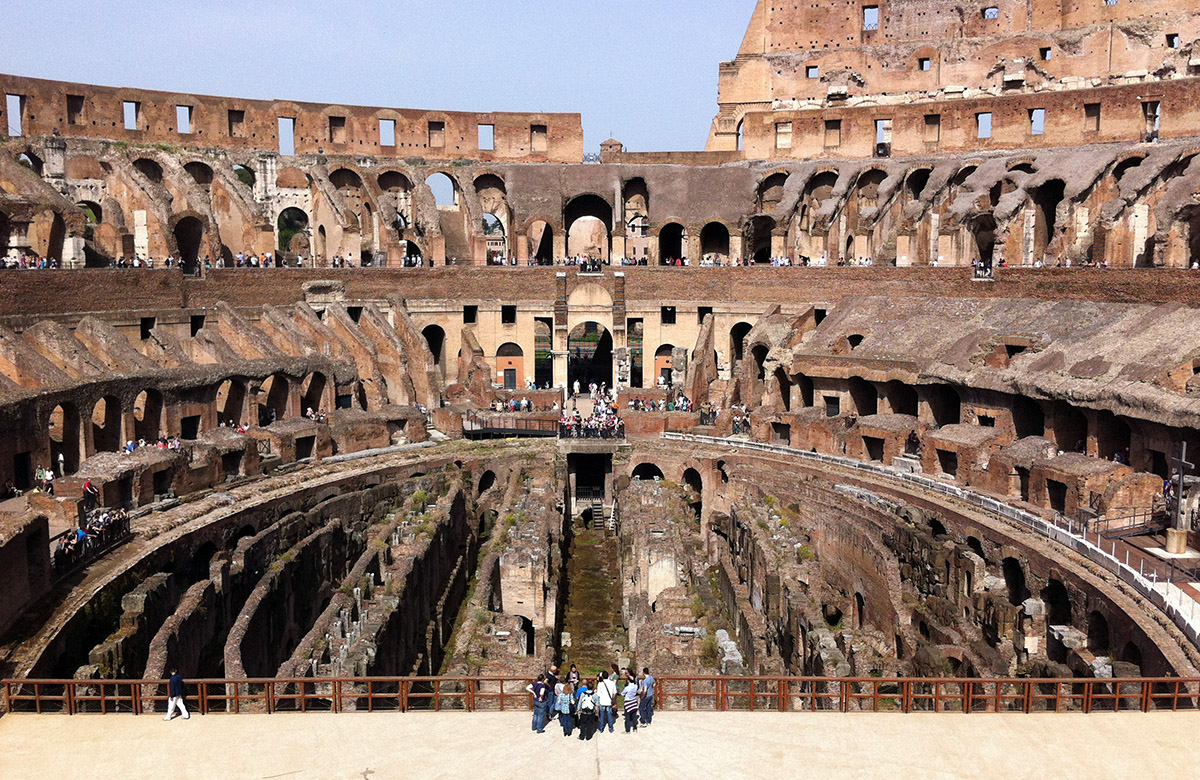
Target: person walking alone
[175, 696]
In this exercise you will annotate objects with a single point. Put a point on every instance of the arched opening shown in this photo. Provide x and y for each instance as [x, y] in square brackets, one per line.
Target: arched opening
[664, 365]
[64, 439]
[245, 175]
[1112, 434]
[983, 228]
[528, 645]
[759, 353]
[785, 388]
[312, 392]
[106, 425]
[150, 169]
[1028, 417]
[937, 529]
[200, 173]
[588, 221]
[495, 236]
[589, 355]
[394, 183]
[916, 182]
[1123, 167]
[541, 242]
[860, 610]
[486, 480]
[1097, 633]
[770, 192]
[737, 341]
[445, 189]
[635, 196]
[945, 405]
[147, 415]
[867, 187]
[1014, 581]
[230, 402]
[412, 253]
[31, 161]
[864, 395]
[976, 547]
[1193, 232]
[292, 222]
[647, 471]
[758, 238]
[695, 484]
[510, 365]
[189, 234]
[1131, 654]
[92, 211]
[1046, 200]
[901, 398]
[714, 241]
[435, 338]
[806, 391]
[322, 243]
[273, 399]
[670, 243]
[345, 179]
[1058, 603]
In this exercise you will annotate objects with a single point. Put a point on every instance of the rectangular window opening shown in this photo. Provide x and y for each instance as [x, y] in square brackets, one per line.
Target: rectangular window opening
[1046, 53]
[933, 128]
[924, 63]
[337, 129]
[983, 124]
[991, 12]
[15, 106]
[470, 315]
[287, 135]
[1091, 117]
[131, 112]
[870, 17]
[987, 421]
[74, 109]
[833, 132]
[538, 138]
[783, 135]
[147, 326]
[701, 313]
[387, 132]
[667, 315]
[197, 324]
[1152, 109]
[833, 405]
[1037, 121]
[812, 71]
[1172, 40]
[508, 315]
[237, 122]
[487, 138]
[883, 131]
[437, 135]
[183, 119]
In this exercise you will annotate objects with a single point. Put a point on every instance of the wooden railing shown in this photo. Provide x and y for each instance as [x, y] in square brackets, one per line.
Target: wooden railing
[703, 694]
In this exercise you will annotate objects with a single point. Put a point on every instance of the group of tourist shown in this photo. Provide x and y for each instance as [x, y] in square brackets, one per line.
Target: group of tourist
[602, 423]
[102, 527]
[741, 419]
[28, 262]
[163, 443]
[679, 403]
[589, 705]
[512, 405]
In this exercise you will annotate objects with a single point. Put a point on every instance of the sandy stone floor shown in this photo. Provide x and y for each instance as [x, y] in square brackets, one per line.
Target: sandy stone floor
[682, 745]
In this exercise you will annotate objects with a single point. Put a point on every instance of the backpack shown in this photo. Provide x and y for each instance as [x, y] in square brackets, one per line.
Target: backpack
[587, 702]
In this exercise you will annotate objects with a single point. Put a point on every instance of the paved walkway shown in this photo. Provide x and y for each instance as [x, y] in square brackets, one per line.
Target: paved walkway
[482, 746]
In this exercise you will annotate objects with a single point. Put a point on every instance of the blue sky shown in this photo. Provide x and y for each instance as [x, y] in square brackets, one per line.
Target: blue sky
[643, 72]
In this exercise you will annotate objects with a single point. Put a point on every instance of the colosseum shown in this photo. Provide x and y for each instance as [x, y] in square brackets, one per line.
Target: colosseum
[882, 401]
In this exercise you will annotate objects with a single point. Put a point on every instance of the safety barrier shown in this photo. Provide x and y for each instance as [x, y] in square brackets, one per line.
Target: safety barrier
[693, 694]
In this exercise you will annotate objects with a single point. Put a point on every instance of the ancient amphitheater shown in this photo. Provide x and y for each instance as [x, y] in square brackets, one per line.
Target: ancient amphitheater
[905, 363]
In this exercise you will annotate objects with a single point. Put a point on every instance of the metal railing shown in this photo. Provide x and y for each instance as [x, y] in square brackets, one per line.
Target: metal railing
[474, 422]
[1153, 580]
[675, 694]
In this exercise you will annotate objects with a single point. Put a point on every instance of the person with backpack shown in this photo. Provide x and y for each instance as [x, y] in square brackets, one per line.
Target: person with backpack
[585, 710]
[564, 706]
[606, 696]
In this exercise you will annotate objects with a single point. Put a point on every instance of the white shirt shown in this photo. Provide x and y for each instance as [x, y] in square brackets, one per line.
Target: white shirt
[606, 692]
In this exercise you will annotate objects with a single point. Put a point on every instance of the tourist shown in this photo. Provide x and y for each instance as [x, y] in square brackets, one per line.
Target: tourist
[573, 676]
[564, 705]
[541, 703]
[646, 696]
[552, 678]
[585, 710]
[175, 696]
[630, 703]
[606, 694]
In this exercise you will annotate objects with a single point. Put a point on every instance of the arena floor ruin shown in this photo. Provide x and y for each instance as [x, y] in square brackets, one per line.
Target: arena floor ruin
[876, 440]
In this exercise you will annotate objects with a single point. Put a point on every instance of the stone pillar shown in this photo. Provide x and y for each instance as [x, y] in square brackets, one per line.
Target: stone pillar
[779, 245]
[522, 249]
